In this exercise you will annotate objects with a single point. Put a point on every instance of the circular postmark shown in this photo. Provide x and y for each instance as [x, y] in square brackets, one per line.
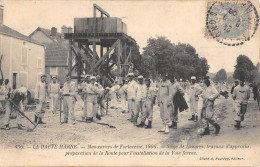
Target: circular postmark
[231, 23]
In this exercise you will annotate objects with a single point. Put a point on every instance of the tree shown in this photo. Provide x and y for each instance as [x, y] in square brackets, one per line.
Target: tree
[221, 76]
[161, 56]
[245, 69]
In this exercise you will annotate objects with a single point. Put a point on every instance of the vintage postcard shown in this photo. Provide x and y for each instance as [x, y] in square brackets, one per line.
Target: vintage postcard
[129, 83]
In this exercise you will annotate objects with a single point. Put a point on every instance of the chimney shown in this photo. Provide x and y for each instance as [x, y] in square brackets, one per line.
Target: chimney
[69, 30]
[1, 15]
[53, 31]
[64, 29]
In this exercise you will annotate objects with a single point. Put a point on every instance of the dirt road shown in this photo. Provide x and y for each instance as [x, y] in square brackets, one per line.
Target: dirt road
[125, 133]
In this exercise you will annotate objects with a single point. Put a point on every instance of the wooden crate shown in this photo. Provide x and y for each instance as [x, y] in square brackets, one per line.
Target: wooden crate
[103, 25]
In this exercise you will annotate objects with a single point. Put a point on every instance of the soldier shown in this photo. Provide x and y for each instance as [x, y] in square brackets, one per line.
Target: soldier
[241, 95]
[164, 102]
[209, 96]
[122, 93]
[195, 91]
[40, 99]
[17, 97]
[131, 95]
[114, 95]
[139, 102]
[232, 90]
[149, 102]
[54, 93]
[84, 86]
[91, 91]
[99, 110]
[68, 94]
[178, 102]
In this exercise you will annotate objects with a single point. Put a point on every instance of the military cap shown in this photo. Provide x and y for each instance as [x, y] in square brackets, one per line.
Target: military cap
[140, 77]
[43, 76]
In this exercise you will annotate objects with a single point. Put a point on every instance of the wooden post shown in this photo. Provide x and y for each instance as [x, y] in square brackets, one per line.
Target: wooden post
[70, 57]
[119, 55]
[94, 55]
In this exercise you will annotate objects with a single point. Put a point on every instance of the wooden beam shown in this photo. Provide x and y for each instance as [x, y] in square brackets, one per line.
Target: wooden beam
[70, 57]
[76, 49]
[104, 57]
[78, 60]
[119, 55]
[101, 10]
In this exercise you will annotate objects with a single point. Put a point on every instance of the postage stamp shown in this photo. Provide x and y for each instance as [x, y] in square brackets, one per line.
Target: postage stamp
[230, 22]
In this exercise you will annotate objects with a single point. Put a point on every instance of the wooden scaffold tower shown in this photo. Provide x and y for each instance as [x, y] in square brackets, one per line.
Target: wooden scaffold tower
[99, 33]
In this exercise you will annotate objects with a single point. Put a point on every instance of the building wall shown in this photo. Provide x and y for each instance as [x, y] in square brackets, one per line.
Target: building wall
[27, 68]
[60, 73]
[41, 37]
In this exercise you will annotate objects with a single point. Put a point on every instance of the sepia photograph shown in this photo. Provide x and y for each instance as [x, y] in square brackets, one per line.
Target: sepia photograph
[129, 83]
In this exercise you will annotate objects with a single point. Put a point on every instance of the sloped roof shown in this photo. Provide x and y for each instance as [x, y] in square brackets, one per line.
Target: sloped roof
[56, 54]
[47, 32]
[13, 33]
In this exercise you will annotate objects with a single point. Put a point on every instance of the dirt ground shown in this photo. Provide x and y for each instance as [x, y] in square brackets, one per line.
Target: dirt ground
[125, 133]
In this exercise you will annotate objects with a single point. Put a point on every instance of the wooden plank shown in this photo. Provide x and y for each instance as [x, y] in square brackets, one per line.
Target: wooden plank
[104, 57]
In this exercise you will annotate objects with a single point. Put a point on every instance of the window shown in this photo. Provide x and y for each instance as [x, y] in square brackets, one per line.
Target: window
[14, 80]
[24, 56]
[53, 70]
[39, 63]
[23, 78]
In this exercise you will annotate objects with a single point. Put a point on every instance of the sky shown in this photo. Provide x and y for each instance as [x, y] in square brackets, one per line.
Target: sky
[179, 21]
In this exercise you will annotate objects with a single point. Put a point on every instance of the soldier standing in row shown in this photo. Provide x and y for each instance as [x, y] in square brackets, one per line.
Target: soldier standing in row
[241, 95]
[84, 86]
[54, 93]
[91, 92]
[40, 99]
[176, 97]
[209, 96]
[140, 101]
[149, 102]
[195, 91]
[164, 103]
[68, 93]
[131, 95]
[232, 91]
[122, 93]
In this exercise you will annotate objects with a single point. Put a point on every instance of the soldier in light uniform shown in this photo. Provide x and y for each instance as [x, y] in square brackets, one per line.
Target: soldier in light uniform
[122, 93]
[131, 95]
[99, 110]
[69, 93]
[40, 99]
[195, 91]
[209, 96]
[91, 91]
[164, 103]
[140, 101]
[175, 89]
[149, 102]
[241, 95]
[54, 93]
[232, 90]
[114, 94]
[17, 97]
[84, 86]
